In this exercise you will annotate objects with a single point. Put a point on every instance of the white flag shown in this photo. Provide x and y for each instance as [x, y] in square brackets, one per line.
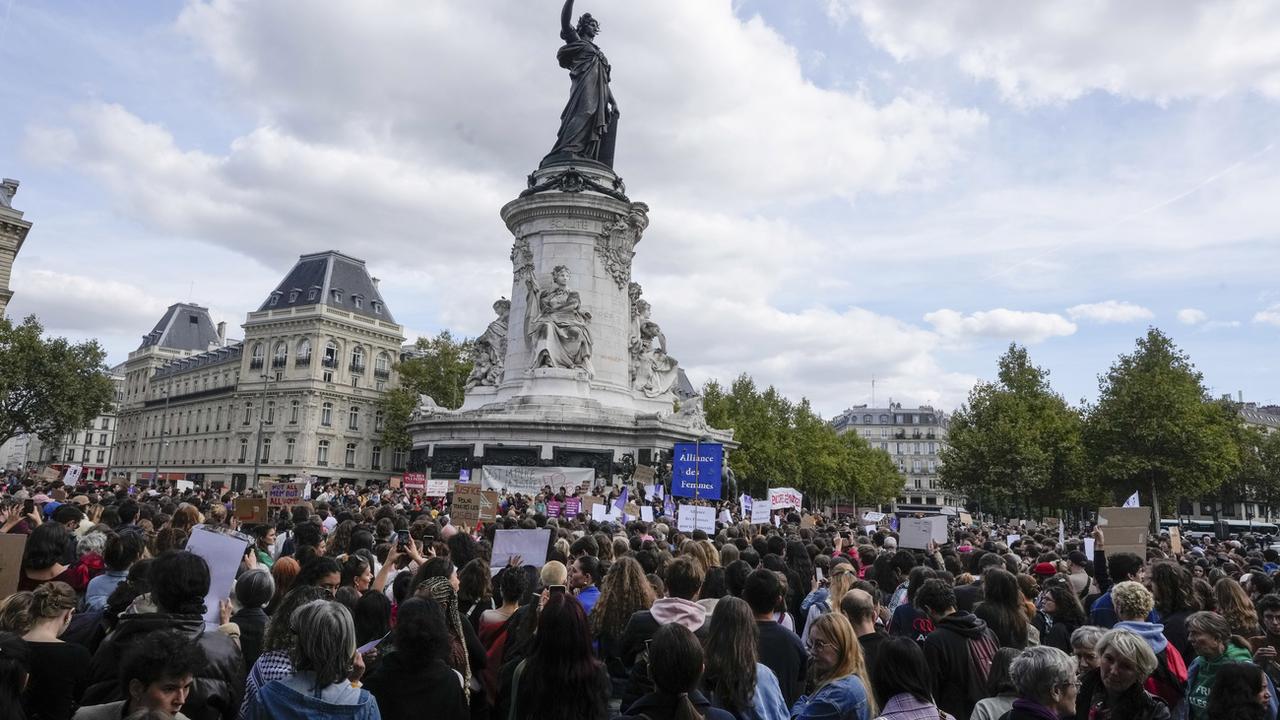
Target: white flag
[1132, 501]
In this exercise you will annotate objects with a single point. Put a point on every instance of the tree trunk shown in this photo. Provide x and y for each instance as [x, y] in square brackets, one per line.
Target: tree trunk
[1155, 509]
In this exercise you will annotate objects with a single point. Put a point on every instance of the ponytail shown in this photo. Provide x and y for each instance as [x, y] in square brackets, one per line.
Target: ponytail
[685, 709]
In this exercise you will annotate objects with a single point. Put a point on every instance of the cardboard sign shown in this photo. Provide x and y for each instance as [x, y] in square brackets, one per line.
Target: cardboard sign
[251, 511]
[808, 521]
[395, 482]
[1175, 540]
[49, 474]
[1126, 529]
[285, 494]
[915, 533]
[530, 545]
[12, 546]
[436, 488]
[590, 502]
[631, 510]
[572, 507]
[780, 498]
[760, 512]
[223, 552]
[965, 518]
[643, 474]
[471, 505]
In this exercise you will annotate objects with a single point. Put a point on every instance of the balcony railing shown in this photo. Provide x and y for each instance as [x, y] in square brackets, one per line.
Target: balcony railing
[279, 362]
[350, 465]
[322, 463]
[302, 361]
[357, 367]
[330, 363]
[255, 363]
[382, 374]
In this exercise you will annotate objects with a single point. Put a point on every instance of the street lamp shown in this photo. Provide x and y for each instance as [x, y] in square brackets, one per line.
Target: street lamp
[257, 443]
[164, 431]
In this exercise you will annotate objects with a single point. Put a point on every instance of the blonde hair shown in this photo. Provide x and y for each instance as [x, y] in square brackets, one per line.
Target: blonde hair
[835, 628]
[51, 599]
[1132, 649]
[15, 613]
[841, 582]
[1132, 600]
[554, 573]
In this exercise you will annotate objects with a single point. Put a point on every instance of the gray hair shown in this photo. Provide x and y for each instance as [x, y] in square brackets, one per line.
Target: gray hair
[1038, 670]
[326, 641]
[255, 588]
[91, 542]
[1131, 649]
[1210, 623]
[1087, 636]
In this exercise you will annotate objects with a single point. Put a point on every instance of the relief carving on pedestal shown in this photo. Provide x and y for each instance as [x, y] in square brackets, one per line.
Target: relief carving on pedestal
[489, 352]
[616, 243]
[555, 324]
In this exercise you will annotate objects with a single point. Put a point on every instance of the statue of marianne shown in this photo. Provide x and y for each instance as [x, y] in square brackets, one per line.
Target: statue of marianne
[589, 121]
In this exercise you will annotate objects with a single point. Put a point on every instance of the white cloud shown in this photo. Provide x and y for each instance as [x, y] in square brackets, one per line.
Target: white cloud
[1269, 316]
[1110, 311]
[76, 303]
[1000, 324]
[1192, 316]
[1046, 52]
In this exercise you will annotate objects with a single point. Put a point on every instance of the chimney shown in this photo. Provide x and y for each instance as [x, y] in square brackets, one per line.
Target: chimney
[222, 334]
[1240, 394]
[375, 282]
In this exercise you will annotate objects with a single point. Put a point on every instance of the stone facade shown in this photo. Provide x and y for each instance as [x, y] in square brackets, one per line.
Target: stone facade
[299, 394]
[13, 232]
[93, 447]
[913, 437]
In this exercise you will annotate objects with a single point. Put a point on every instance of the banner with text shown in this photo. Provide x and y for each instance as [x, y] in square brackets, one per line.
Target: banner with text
[696, 469]
[531, 480]
[415, 481]
[780, 498]
[285, 494]
[694, 517]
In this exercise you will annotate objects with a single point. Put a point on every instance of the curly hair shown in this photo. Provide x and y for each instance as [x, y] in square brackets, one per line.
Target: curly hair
[623, 592]
[1235, 692]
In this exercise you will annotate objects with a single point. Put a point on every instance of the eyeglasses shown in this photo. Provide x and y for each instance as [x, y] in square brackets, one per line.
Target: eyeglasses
[815, 645]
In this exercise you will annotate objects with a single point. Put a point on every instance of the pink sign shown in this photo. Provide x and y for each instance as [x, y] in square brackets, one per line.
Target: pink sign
[572, 507]
[415, 481]
[553, 508]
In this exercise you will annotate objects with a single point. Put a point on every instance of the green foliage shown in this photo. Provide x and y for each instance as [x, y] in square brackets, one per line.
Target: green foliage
[439, 370]
[48, 387]
[1153, 428]
[1014, 439]
[786, 443]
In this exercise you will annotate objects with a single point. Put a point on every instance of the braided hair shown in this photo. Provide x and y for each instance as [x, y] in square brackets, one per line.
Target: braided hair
[439, 589]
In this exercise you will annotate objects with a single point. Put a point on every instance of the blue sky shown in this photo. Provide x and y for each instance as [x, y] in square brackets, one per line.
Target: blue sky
[840, 189]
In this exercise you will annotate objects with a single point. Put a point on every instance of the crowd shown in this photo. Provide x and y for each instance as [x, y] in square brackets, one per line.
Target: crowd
[373, 604]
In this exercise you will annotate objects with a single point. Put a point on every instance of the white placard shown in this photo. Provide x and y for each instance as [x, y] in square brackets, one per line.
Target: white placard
[530, 545]
[223, 553]
[760, 512]
[869, 529]
[781, 498]
[530, 480]
[872, 516]
[693, 517]
[599, 512]
[184, 485]
[744, 504]
[1011, 539]
[654, 492]
[436, 488]
[915, 533]
[73, 475]
[725, 517]
[947, 510]
[646, 513]
[1088, 548]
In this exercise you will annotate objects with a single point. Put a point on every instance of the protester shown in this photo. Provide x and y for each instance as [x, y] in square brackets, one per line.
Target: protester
[254, 589]
[1046, 682]
[475, 595]
[122, 550]
[59, 671]
[1059, 616]
[625, 592]
[684, 581]
[264, 540]
[1084, 642]
[1002, 608]
[1233, 603]
[676, 662]
[584, 578]
[560, 678]
[1119, 567]
[179, 583]
[1115, 688]
[734, 679]
[1210, 635]
[859, 606]
[1267, 650]
[14, 673]
[1001, 692]
[466, 654]
[1174, 603]
[157, 673]
[839, 674]
[276, 660]
[1240, 692]
[907, 619]
[901, 679]
[414, 675]
[43, 560]
[959, 650]
[325, 666]
[780, 649]
[1168, 678]
[841, 580]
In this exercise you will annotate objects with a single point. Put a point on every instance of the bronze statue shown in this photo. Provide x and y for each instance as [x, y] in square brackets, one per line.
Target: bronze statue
[589, 123]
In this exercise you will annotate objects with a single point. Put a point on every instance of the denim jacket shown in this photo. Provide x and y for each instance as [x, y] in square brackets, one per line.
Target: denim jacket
[843, 699]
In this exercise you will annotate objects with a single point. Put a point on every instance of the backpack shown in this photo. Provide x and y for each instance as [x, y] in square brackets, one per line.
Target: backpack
[494, 639]
[1169, 681]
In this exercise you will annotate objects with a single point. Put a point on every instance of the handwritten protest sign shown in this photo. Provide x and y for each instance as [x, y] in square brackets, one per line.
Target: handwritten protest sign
[760, 510]
[695, 517]
[780, 498]
[471, 505]
[285, 494]
[436, 488]
[251, 511]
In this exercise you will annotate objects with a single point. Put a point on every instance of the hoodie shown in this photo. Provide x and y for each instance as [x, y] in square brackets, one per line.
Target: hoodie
[641, 628]
[959, 652]
[1153, 633]
[678, 610]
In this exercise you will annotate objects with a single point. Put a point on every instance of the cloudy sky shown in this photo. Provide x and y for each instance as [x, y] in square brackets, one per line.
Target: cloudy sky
[840, 189]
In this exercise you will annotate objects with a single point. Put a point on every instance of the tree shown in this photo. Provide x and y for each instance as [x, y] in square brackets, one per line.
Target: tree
[786, 443]
[1014, 440]
[49, 387]
[1153, 428]
[438, 369]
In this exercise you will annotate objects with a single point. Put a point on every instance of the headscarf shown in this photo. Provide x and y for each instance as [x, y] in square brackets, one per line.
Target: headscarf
[439, 589]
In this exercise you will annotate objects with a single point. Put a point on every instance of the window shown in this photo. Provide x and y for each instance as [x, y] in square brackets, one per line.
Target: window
[248, 412]
[358, 301]
[293, 295]
[378, 419]
[337, 296]
[933, 448]
[255, 360]
[866, 419]
[397, 460]
[328, 376]
[294, 408]
[884, 432]
[351, 455]
[377, 308]
[288, 450]
[266, 450]
[75, 438]
[322, 452]
[102, 439]
[71, 455]
[357, 359]
[382, 366]
[106, 423]
[313, 293]
[280, 356]
[353, 418]
[244, 450]
[271, 412]
[275, 297]
[376, 458]
[102, 456]
[331, 354]
[326, 414]
[217, 423]
[884, 419]
[304, 353]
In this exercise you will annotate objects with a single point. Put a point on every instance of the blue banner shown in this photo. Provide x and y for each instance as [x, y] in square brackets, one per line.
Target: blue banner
[696, 466]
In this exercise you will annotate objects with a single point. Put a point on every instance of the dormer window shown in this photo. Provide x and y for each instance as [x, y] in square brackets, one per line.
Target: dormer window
[337, 296]
[315, 292]
[358, 301]
[293, 295]
[275, 297]
[377, 307]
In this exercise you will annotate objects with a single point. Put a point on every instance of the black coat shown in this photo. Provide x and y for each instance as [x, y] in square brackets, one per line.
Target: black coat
[1134, 704]
[219, 682]
[253, 626]
[661, 706]
[408, 690]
